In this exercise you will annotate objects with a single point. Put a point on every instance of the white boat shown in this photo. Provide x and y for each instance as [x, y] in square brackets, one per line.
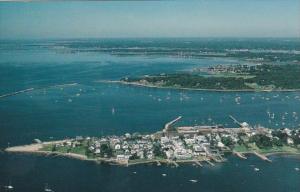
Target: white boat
[47, 189]
[9, 187]
[297, 169]
[164, 174]
[272, 116]
[113, 111]
[237, 100]
[193, 180]
[256, 169]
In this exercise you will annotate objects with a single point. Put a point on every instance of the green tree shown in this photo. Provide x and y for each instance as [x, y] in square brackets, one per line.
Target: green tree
[227, 141]
[133, 157]
[105, 149]
[53, 148]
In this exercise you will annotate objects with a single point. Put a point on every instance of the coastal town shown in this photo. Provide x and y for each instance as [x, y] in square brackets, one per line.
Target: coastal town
[174, 145]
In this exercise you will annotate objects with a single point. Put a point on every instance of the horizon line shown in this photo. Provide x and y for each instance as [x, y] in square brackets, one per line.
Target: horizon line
[163, 37]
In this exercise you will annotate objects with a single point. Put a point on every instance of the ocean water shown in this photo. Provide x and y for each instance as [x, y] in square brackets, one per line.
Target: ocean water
[57, 110]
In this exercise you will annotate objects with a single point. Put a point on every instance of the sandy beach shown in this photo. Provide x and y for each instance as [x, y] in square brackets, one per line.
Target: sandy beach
[36, 149]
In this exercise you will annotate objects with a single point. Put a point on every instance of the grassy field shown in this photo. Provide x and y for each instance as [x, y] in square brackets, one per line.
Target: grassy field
[241, 148]
[259, 87]
[274, 149]
[78, 150]
[66, 149]
[47, 148]
[287, 149]
[235, 75]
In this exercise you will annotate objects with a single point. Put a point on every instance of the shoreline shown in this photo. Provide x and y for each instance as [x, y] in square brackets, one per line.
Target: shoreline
[34, 149]
[136, 84]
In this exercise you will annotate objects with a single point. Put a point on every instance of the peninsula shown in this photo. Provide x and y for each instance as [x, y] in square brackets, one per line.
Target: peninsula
[174, 145]
[264, 77]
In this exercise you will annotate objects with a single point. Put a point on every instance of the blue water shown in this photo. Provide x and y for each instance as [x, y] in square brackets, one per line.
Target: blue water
[86, 109]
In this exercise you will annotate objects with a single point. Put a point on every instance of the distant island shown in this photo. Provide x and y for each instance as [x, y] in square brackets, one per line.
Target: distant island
[174, 145]
[265, 77]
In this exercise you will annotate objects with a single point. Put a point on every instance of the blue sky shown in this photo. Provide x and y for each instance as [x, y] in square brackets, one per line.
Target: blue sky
[206, 18]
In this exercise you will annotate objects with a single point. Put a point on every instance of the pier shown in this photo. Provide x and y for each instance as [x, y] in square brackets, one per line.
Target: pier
[37, 88]
[209, 162]
[158, 163]
[240, 155]
[168, 125]
[173, 162]
[262, 156]
[198, 163]
[176, 164]
[16, 93]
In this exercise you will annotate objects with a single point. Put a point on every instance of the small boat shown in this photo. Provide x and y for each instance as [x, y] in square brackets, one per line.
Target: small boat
[193, 180]
[164, 174]
[272, 116]
[113, 111]
[9, 187]
[237, 99]
[47, 189]
[256, 169]
[270, 121]
[297, 169]
[134, 172]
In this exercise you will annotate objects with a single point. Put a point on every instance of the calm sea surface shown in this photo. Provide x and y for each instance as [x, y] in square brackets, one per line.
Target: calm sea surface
[57, 110]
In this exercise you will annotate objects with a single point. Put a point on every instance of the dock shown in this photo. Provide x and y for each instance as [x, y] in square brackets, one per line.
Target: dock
[262, 156]
[158, 163]
[216, 158]
[16, 93]
[240, 155]
[176, 164]
[168, 125]
[209, 162]
[198, 163]
[33, 89]
[173, 162]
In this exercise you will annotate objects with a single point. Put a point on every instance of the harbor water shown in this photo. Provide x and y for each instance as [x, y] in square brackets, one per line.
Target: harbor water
[68, 100]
